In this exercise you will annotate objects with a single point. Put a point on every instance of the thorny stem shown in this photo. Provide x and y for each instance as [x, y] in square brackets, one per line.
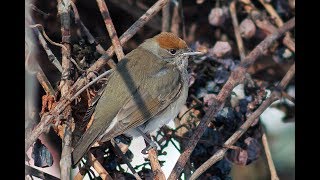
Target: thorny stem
[236, 77]
[275, 95]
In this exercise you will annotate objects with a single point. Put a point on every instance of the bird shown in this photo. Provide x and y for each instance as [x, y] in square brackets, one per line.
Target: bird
[146, 90]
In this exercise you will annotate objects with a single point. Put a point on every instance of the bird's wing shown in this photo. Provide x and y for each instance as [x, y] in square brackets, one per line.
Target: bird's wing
[146, 103]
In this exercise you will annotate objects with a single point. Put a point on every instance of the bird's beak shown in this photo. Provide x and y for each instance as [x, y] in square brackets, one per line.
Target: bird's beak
[192, 53]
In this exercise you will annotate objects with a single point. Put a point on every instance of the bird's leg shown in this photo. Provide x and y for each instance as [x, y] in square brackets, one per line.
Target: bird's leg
[151, 143]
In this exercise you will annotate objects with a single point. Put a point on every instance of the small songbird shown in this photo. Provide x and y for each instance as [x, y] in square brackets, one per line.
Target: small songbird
[146, 90]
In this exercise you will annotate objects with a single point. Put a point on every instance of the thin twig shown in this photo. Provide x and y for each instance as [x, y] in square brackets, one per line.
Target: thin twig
[125, 159]
[135, 10]
[39, 174]
[272, 168]
[236, 77]
[106, 73]
[184, 35]
[46, 36]
[275, 95]
[42, 78]
[89, 36]
[111, 30]
[51, 56]
[99, 168]
[264, 24]
[101, 62]
[287, 40]
[235, 23]
[176, 20]
[166, 15]
[287, 96]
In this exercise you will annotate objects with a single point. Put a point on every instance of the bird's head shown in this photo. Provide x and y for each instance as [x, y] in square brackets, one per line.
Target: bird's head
[169, 48]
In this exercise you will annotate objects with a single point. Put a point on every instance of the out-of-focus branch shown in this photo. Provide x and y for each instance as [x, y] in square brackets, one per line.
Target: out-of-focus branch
[236, 77]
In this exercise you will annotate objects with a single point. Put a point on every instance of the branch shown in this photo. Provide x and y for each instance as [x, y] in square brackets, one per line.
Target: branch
[155, 166]
[111, 30]
[135, 11]
[236, 77]
[264, 24]
[65, 84]
[272, 168]
[52, 58]
[65, 100]
[235, 23]
[90, 37]
[39, 174]
[166, 18]
[99, 168]
[287, 40]
[275, 95]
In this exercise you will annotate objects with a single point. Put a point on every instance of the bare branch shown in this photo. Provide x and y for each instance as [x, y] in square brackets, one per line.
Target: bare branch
[99, 168]
[111, 30]
[155, 166]
[236, 77]
[275, 95]
[272, 168]
[65, 84]
[235, 23]
[264, 24]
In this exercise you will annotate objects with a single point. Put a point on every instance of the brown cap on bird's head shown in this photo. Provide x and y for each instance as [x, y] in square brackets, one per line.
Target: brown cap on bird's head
[169, 40]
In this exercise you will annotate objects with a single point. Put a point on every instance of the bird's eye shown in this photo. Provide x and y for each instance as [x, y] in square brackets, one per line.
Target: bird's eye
[172, 51]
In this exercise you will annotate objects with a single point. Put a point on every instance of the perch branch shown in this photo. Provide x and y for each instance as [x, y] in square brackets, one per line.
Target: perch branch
[99, 168]
[155, 165]
[236, 77]
[65, 100]
[275, 95]
[111, 30]
[272, 168]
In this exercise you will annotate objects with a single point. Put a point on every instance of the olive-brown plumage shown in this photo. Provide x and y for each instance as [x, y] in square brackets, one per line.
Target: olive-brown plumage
[146, 90]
